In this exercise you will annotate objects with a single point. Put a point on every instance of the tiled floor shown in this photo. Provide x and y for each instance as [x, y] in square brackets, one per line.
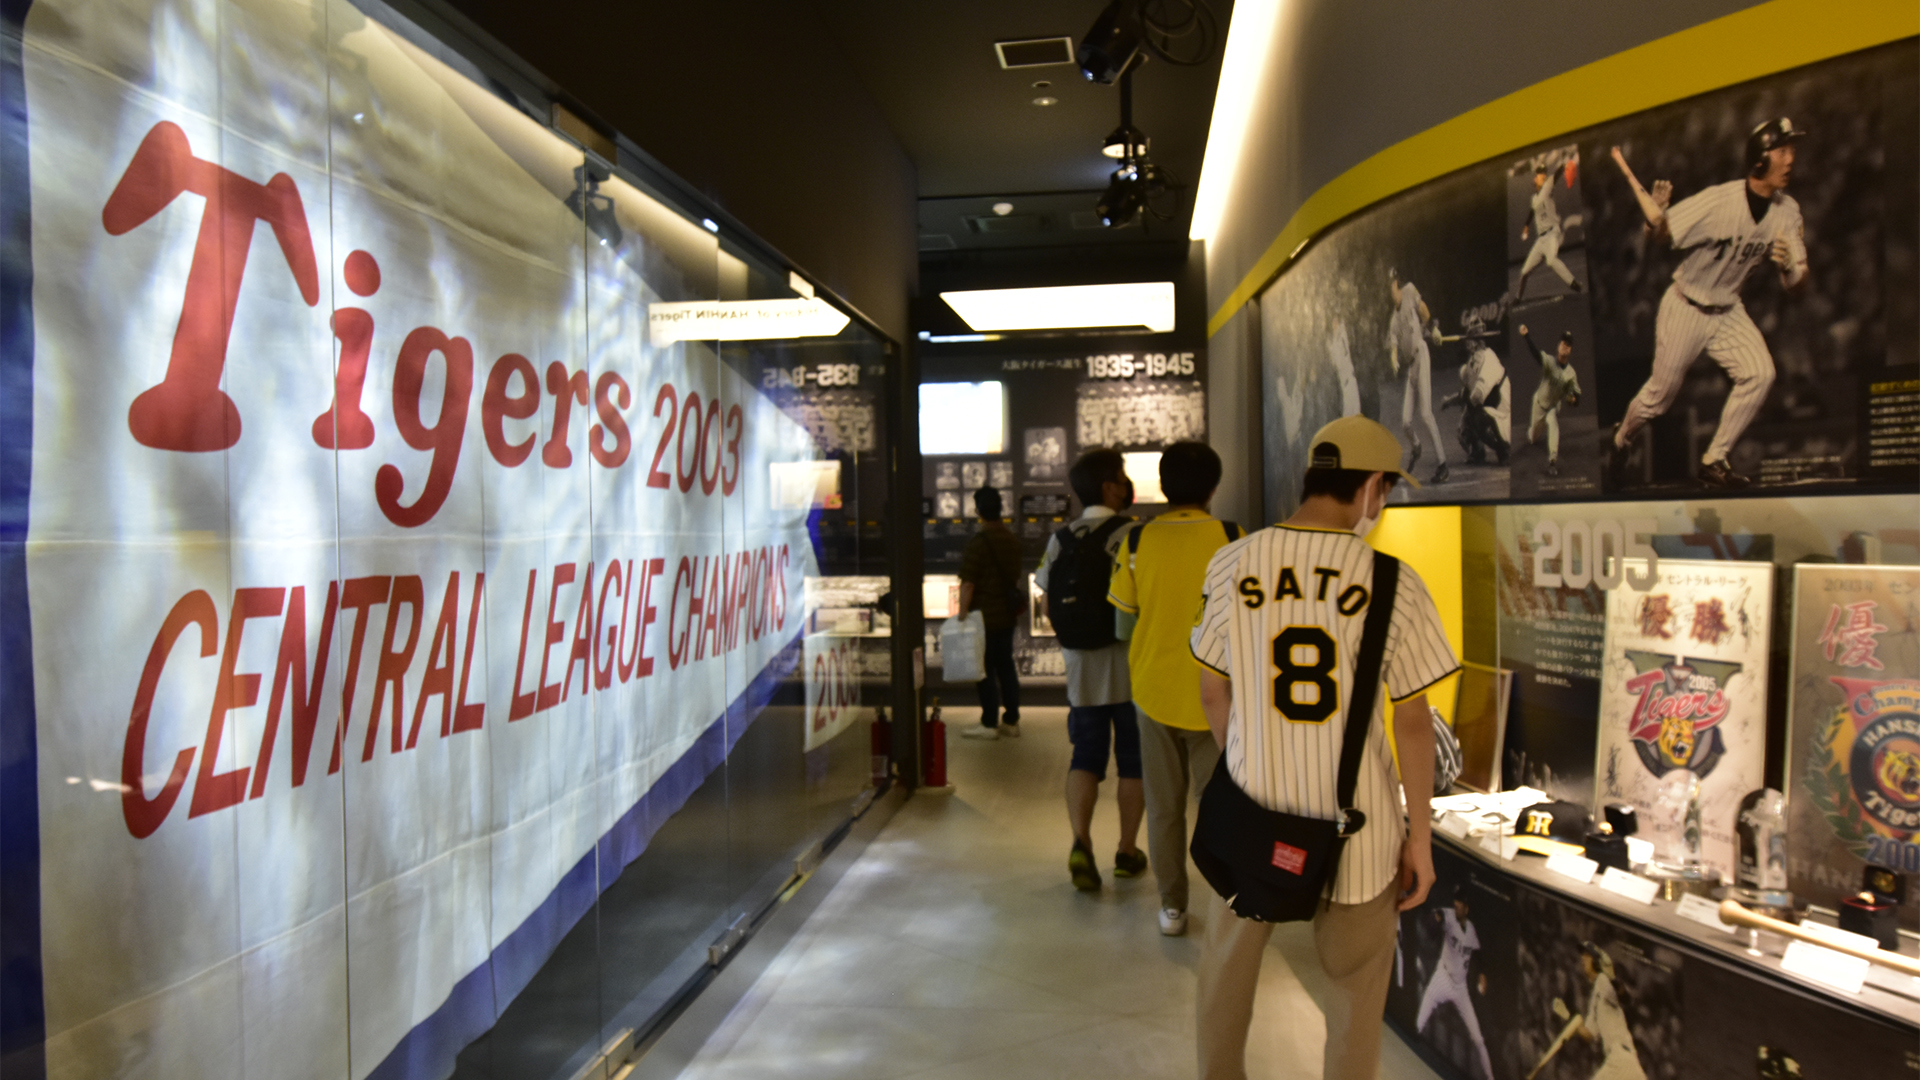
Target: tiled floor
[956, 947]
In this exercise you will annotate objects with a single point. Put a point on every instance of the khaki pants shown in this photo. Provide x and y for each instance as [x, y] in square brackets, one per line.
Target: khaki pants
[1174, 766]
[1355, 942]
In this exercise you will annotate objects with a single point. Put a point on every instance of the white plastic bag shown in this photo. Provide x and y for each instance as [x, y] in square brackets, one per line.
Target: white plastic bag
[963, 649]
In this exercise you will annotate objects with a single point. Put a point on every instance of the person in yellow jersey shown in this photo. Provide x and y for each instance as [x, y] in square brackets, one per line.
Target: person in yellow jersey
[1158, 576]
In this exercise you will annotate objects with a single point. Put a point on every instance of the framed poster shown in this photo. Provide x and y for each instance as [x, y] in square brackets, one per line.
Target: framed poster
[1683, 695]
[1853, 735]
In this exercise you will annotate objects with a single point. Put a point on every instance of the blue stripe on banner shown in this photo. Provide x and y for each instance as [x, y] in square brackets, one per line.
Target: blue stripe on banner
[429, 1050]
[23, 1018]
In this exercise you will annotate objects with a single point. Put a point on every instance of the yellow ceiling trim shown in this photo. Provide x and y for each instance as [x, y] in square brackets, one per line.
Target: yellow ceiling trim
[1750, 44]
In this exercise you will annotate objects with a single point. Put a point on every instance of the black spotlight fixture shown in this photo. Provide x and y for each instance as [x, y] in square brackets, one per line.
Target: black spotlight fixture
[591, 207]
[1181, 32]
[1112, 43]
[1126, 142]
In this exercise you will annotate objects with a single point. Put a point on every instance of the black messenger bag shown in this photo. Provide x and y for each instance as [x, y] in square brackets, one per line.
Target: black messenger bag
[1274, 867]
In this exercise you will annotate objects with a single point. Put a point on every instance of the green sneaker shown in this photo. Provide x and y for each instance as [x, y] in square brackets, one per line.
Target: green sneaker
[1125, 865]
[1086, 876]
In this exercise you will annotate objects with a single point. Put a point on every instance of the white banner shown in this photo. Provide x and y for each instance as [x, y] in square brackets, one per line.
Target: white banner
[379, 564]
[1683, 695]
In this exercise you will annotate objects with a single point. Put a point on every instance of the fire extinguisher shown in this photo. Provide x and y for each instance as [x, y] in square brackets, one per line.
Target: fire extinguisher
[881, 740]
[933, 737]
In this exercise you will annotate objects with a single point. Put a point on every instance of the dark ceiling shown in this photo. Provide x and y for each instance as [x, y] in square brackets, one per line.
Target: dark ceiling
[977, 138]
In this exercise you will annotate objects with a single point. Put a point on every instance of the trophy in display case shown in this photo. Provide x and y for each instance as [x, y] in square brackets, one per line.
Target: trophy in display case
[1761, 833]
[1677, 863]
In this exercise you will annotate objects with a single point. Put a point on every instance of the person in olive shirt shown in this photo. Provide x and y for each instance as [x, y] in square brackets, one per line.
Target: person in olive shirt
[1159, 576]
[989, 581]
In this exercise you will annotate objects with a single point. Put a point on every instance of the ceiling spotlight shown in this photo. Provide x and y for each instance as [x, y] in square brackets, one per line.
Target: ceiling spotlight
[1125, 142]
[1133, 188]
[591, 207]
[1045, 100]
[1112, 42]
[1003, 208]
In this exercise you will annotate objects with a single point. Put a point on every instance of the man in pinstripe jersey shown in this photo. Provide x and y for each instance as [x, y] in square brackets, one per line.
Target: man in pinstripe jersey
[1277, 640]
[1724, 232]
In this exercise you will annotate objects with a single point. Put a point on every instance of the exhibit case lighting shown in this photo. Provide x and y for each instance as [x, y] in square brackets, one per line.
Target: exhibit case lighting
[1242, 66]
[1067, 307]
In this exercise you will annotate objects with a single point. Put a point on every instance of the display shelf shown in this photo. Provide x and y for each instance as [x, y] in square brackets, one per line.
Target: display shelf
[1888, 995]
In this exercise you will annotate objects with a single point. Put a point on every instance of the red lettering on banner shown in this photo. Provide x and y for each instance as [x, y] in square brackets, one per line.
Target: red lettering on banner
[291, 671]
[144, 815]
[556, 633]
[715, 600]
[611, 422]
[644, 613]
[522, 704]
[565, 390]
[394, 662]
[759, 608]
[496, 408]
[677, 646]
[697, 606]
[346, 426]
[779, 594]
[582, 650]
[359, 594]
[603, 676]
[729, 605]
[443, 438]
[188, 411]
[437, 680]
[470, 717]
[235, 690]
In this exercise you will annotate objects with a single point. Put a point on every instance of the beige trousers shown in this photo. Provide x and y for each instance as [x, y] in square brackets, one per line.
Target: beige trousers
[1355, 942]
[1174, 766]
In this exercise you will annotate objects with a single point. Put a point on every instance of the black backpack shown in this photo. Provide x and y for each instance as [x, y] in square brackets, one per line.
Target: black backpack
[1077, 582]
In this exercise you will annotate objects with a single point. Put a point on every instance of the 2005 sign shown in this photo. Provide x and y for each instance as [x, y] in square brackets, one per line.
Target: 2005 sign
[1602, 553]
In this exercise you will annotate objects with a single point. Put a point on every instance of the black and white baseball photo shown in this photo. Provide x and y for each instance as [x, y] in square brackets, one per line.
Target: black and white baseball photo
[1382, 316]
[1740, 241]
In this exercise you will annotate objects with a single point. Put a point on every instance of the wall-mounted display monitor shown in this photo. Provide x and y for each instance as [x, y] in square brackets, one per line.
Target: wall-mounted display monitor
[963, 418]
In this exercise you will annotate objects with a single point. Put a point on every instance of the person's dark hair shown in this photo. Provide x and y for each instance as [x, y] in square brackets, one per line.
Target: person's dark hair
[987, 502]
[1342, 485]
[1189, 471]
[1092, 471]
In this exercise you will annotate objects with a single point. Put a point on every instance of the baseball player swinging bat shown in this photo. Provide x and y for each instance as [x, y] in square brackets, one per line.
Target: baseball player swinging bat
[1572, 1024]
[1723, 232]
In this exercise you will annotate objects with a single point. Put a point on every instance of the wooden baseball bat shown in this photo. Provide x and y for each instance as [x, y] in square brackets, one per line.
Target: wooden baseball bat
[1733, 914]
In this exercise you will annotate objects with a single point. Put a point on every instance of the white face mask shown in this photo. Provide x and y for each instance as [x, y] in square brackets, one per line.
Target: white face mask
[1367, 520]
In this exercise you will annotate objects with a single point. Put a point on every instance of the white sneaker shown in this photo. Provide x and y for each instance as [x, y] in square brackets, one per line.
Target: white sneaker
[1009, 731]
[977, 731]
[1173, 922]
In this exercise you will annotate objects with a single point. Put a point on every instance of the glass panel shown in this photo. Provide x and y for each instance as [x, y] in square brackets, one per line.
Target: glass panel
[421, 637]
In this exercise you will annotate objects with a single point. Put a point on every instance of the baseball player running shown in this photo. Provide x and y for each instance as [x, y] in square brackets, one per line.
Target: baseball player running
[1545, 227]
[1724, 232]
[1604, 1022]
[1410, 317]
[1342, 354]
[1559, 388]
[1449, 985]
[1486, 401]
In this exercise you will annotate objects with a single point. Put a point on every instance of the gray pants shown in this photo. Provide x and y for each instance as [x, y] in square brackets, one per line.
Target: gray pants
[1174, 766]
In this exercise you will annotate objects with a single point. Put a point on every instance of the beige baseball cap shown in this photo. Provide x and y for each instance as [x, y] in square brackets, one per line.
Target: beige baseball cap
[1355, 442]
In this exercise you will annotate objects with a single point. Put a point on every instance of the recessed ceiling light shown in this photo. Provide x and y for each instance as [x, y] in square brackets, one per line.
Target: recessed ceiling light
[1003, 208]
[1042, 85]
[1045, 100]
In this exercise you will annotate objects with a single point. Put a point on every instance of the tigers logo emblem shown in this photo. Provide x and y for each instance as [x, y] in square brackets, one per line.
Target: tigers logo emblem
[1677, 711]
[1883, 753]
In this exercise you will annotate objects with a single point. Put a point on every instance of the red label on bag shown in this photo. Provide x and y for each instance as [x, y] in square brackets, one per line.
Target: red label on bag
[1289, 858]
